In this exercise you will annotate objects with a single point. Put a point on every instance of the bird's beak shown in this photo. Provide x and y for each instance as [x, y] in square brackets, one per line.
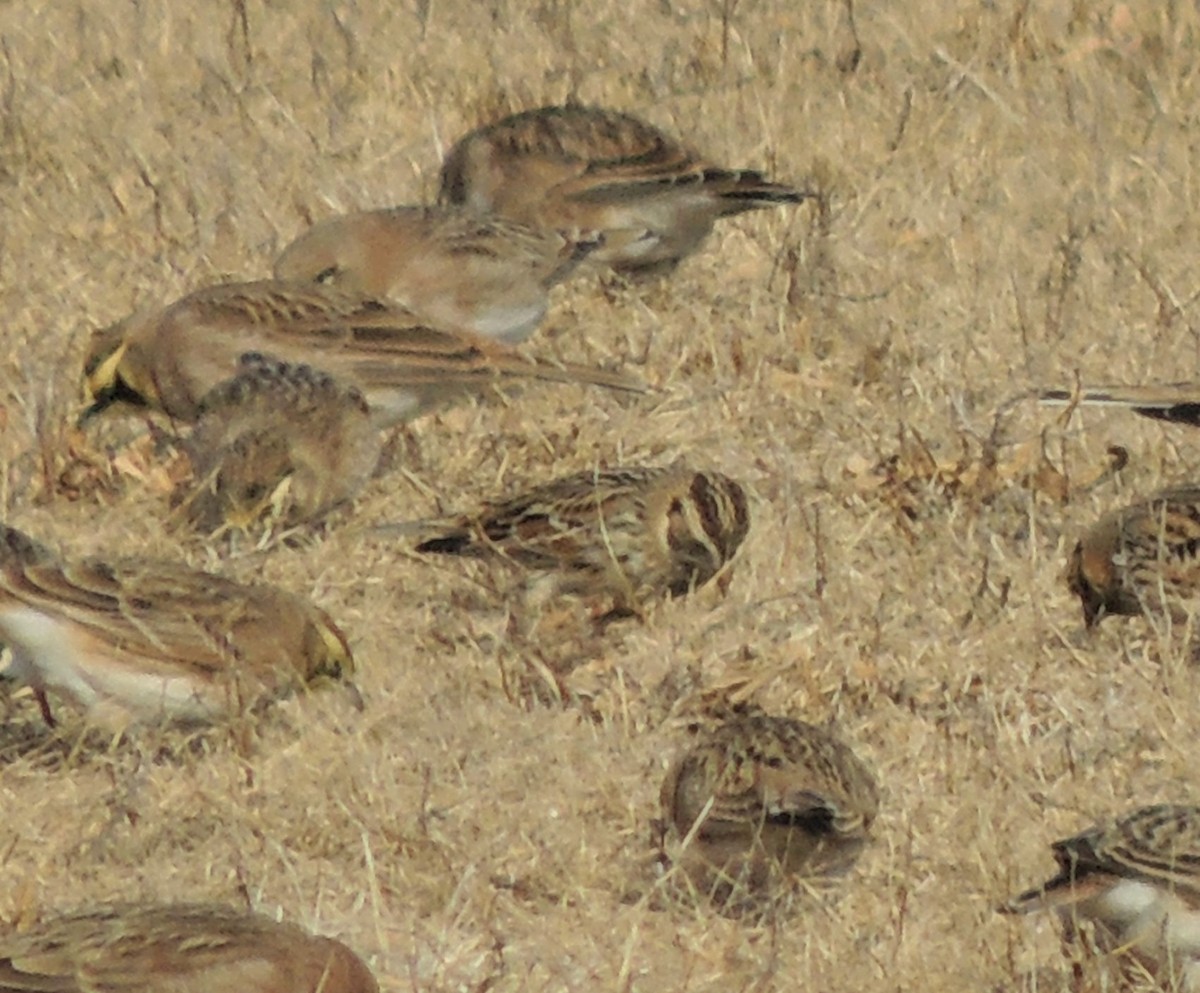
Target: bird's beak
[93, 409]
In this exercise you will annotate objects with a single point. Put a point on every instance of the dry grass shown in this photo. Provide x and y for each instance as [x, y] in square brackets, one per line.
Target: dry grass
[1012, 197]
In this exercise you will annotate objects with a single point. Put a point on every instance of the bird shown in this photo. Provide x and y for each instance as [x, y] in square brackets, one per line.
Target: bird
[1140, 559]
[169, 359]
[756, 795]
[279, 442]
[629, 533]
[592, 168]
[1137, 877]
[1178, 403]
[138, 641]
[452, 267]
[176, 948]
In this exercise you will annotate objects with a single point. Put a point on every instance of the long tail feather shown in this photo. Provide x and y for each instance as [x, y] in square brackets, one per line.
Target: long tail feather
[1178, 403]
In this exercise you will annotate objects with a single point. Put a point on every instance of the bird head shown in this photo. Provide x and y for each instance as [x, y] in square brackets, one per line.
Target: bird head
[114, 371]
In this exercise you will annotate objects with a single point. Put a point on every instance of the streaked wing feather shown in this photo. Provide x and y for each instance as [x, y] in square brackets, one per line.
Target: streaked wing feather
[167, 617]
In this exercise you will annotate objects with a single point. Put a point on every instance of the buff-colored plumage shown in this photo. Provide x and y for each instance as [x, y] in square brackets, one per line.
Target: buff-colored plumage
[1144, 558]
[452, 267]
[278, 444]
[169, 360]
[595, 169]
[626, 533]
[1138, 879]
[176, 948]
[755, 795]
[136, 641]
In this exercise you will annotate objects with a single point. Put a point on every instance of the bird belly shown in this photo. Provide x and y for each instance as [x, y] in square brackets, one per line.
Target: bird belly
[147, 696]
[1148, 918]
[510, 325]
[1124, 907]
[654, 238]
[46, 652]
[1182, 934]
[51, 655]
[392, 405]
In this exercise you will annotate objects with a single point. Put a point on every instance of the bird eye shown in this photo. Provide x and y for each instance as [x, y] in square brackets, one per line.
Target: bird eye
[326, 276]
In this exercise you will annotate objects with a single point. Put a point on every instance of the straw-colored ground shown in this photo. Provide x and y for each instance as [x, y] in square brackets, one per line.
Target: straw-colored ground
[1012, 198]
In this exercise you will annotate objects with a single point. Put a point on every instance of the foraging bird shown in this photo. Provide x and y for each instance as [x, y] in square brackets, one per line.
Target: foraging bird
[176, 948]
[576, 167]
[169, 360]
[1138, 878]
[450, 266]
[136, 641]
[628, 533]
[755, 795]
[1144, 558]
[1178, 403]
[279, 441]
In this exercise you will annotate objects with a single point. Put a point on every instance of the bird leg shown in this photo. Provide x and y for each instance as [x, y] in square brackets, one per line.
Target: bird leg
[44, 706]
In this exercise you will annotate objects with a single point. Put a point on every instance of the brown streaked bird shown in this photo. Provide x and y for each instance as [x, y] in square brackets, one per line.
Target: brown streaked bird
[629, 533]
[1141, 559]
[453, 267]
[169, 360]
[1138, 878]
[138, 641]
[1178, 403]
[176, 948]
[756, 795]
[596, 169]
[279, 443]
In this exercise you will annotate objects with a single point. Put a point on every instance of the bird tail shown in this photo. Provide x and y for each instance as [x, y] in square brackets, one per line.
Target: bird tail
[574, 372]
[1060, 891]
[747, 189]
[1026, 903]
[455, 543]
[1178, 403]
[737, 190]
[433, 535]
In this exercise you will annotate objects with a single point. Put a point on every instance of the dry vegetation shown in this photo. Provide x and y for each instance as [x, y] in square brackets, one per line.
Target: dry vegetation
[1011, 200]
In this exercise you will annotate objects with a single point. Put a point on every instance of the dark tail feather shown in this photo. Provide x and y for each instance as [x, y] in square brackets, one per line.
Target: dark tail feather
[447, 544]
[748, 190]
[1180, 413]
[1152, 402]
[740, 189]
[1023, 903]
[761, 193]
[442, 536]
[572, 372]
